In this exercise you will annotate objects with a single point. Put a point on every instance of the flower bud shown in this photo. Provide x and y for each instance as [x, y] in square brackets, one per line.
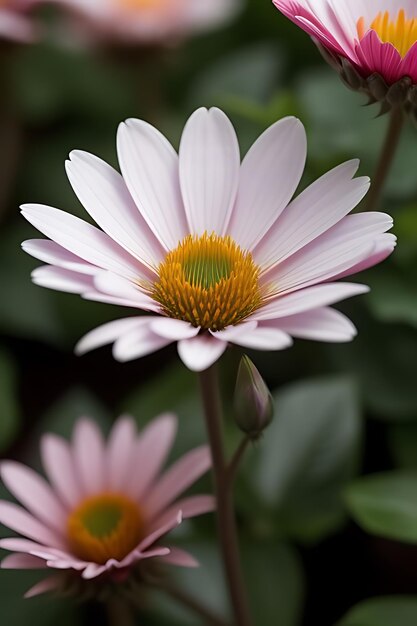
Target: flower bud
[253, 404]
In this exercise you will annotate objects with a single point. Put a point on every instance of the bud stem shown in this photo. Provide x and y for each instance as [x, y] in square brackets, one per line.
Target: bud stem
[210, 394]
[237, 457]
[389, 148]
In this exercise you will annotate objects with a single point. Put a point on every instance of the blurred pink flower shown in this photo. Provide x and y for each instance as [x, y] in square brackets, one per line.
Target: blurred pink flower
[149, 21]
[106, 505]
[15, 23]
[214, 249]
[375, 36]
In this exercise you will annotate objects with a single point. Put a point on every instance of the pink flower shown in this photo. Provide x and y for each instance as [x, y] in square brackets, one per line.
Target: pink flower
[15, 23]
[376, 37]
[214, 250]
[106, 505]
[149, 20]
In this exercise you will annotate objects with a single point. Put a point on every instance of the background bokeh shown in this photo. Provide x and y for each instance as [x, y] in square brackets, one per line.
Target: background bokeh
[342, 411]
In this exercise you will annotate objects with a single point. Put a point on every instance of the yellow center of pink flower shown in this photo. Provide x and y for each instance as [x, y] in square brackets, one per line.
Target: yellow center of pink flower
[137, 5]
[401, 33]
[208, 281]
[103, 527]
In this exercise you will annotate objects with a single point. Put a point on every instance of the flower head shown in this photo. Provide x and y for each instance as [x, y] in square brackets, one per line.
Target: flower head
[106, 505]
[15, 23]
[367, 39]
[148, 21]
[214, 250]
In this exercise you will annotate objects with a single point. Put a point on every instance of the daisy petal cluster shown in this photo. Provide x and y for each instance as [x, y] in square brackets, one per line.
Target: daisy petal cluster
[375, 37]
[215, 251]
[149, 20]
[15, 23]
[105, 505]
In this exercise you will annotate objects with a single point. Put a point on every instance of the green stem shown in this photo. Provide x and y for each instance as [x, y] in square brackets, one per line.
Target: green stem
[210, 393]
[389, 148]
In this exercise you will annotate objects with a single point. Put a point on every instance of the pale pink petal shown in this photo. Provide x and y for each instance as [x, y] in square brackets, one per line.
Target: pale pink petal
[114, 285]
[22, 561]
[59, 467]
[34, 493]
[201, 14]
[159, 532]
[262, 338]
[310, 298]
[145, 304]
[108, 333]
[151, 452]
[137, 555]
[54, 254]
[180, 557]
[17, 544]
[121, 447]
[322, 324]
[52, 583]
[209, 170]
[138, 342]
[15, 27]
[384, 246]
[201, 352]
[269, 176]
[232, 332]
[104, 194]
[61, 279]
[89, 456]
[173, 329]
[322, 205]
[19, 520]
[189, 507]
[177, 479]
[82, 239]
[149, 165]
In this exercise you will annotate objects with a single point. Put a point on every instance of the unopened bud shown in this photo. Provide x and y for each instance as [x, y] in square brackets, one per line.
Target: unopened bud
[253, 404]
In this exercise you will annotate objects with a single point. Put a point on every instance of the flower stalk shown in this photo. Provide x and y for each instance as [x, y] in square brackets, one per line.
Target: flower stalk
[389, 148]
[210, 393]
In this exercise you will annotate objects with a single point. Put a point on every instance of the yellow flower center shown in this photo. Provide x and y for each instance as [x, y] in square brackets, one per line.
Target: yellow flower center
[103, 527]
[137, 5]
[208, 281]
[401, 33]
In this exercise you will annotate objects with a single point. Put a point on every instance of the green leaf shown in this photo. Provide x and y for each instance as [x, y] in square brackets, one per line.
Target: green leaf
[388, 611]
[402, 441]
[308, 455]
[386, 504]
[9, 408]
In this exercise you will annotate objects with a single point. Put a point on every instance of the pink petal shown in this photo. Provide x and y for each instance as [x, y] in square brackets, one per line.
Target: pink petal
[384, 246]
[121, 447]
[108, 333]
[322, 324]
[189, 507]
[409, 64]
[104, 194]
[173, 329]
[138, 342]
[322, 205]
[114, 285]
[59, 466]
[149, 165]
[232, 332]
[310, 298]
[34, 493]
[44, 586]
[89, 456]
[19, 520]
[180, 557]
[81, 238]
[151, 452]
[61, 279]
[269, 176]
[199, 353]
[375, 56]
[209, 170]
[159, 532]
[177, 479]
[54, 254]
[22, 561]
[262, 338]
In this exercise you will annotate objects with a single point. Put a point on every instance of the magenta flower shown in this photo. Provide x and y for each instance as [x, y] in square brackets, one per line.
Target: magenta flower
[106, 506]
[15, 23]
[148, 21]
[213, 249]
[376, 37]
